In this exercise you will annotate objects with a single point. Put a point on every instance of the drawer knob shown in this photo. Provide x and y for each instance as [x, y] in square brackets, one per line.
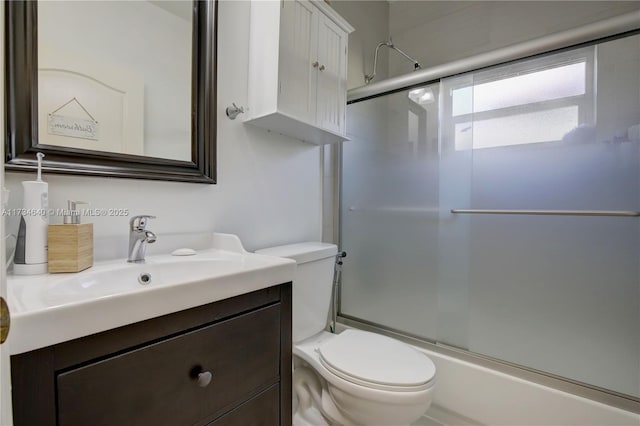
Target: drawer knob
[204, 379]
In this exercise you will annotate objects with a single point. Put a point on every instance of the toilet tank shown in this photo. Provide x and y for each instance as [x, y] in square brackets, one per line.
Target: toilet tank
[312, 284]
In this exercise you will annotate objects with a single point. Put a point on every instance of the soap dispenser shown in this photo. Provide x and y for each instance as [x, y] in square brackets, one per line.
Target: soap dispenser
[70, 244]
[31, 245]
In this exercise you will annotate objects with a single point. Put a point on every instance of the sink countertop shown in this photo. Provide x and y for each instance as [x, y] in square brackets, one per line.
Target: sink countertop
[53, 308]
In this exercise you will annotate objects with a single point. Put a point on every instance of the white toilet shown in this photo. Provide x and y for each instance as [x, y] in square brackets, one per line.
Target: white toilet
[351, 378]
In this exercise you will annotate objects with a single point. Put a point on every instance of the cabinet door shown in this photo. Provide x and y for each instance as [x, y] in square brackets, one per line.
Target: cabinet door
[298, 60]
[332, 76]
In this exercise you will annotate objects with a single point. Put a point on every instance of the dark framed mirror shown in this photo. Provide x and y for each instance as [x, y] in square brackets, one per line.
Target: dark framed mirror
[24, 135]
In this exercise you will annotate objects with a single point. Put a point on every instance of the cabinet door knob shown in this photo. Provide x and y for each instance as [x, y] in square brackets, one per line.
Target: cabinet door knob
[315, 64]
[204, 379]
[321, 67]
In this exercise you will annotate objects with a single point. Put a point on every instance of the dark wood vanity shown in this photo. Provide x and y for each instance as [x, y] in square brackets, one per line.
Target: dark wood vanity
[156, 372]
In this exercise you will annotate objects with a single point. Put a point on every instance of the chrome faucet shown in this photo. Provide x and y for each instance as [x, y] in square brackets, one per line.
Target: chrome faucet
[139, 237]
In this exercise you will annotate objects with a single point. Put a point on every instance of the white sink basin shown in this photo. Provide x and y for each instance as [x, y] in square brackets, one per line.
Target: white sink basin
[52, 308]
[129, 277]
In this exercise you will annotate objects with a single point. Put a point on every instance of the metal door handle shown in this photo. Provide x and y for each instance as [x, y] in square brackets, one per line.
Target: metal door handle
[321, 67]
[315, 64]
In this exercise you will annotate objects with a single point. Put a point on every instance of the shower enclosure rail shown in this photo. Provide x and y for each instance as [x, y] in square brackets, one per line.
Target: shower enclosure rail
[598, 30]
[550, 212]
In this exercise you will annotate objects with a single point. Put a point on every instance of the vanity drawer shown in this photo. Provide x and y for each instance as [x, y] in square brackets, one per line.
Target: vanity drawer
[262, 410]
[156, 384]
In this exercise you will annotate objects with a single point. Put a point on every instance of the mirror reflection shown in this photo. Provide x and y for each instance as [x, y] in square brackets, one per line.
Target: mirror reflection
[116, 76]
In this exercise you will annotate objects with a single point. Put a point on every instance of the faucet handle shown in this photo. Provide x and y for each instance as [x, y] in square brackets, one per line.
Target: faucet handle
[139, 223]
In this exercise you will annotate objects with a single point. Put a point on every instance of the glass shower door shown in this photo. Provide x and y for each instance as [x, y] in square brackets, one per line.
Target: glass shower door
[554, 289]
[494, 212]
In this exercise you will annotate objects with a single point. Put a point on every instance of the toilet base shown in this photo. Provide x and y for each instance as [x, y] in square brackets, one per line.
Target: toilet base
[314, 404]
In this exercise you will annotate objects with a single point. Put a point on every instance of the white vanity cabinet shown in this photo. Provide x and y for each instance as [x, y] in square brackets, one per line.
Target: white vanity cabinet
[298, 70]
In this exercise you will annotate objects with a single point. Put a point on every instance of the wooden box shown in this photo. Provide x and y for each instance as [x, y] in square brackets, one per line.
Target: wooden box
[70, 247]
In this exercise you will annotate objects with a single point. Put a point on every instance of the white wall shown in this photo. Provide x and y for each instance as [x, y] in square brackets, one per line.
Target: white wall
[436, 32]
[269, 186]
[371, 22]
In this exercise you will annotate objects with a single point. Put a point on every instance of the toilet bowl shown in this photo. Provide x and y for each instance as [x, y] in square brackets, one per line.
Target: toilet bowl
[354, 377]
[363, 379]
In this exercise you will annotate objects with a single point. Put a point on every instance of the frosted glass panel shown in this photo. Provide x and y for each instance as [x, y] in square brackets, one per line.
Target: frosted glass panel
[560, 294]
[390, 213]
[517, 129]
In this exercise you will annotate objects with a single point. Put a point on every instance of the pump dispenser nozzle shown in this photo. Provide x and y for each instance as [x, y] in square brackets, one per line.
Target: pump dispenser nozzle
[73, 215]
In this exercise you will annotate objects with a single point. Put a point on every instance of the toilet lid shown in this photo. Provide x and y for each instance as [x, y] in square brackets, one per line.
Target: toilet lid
[376, 361]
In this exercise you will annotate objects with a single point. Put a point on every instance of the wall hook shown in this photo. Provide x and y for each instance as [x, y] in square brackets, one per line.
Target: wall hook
[233, 111]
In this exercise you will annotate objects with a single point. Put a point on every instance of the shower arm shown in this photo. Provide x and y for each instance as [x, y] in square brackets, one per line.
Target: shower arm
[369, 77]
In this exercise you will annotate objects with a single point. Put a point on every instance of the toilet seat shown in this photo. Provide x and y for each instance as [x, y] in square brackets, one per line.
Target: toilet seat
[376, 362]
